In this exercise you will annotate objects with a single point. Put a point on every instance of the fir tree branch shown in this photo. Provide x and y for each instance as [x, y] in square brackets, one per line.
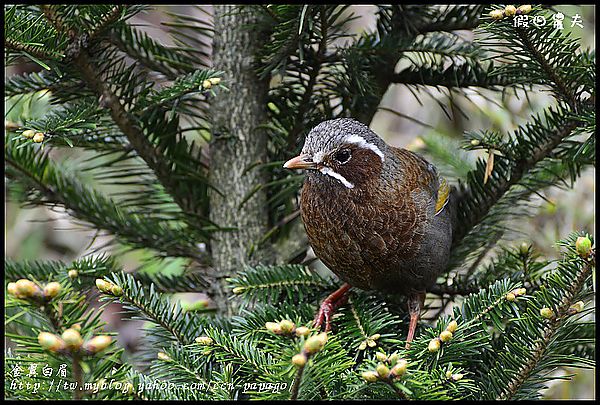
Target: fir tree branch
[32, 50]
[539, 349]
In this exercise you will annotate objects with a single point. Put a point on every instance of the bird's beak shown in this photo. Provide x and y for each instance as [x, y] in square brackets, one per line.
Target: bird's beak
[303, 161]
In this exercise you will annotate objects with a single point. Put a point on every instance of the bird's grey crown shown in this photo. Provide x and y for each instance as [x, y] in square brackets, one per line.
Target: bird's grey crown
[329, 135]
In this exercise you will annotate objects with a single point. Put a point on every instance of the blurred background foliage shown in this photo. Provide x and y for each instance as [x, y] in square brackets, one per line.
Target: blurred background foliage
[402, 120]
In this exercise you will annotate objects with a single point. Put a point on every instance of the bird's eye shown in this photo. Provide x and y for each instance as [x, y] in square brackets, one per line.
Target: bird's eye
[342, 156]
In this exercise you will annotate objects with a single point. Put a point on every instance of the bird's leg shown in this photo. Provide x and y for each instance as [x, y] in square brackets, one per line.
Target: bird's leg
[415, 304]
[328, 306]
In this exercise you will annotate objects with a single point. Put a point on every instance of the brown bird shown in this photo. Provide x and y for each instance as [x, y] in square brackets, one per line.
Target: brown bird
[376, 215]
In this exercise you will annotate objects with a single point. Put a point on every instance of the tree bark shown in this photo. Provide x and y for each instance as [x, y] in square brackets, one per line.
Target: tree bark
[237, 143]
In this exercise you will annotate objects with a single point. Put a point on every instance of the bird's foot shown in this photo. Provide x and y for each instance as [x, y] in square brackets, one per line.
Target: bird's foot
[415, 304]
[328, 307]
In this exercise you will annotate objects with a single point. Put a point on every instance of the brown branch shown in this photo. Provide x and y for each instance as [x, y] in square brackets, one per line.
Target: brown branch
[32, 50]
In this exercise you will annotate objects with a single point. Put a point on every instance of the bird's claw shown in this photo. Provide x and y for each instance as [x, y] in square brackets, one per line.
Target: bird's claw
[324, 315]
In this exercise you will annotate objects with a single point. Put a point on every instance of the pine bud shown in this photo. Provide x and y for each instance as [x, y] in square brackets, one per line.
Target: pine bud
[97, 343]
[116, 290]
[215, 80]
[299, 360]
[52, 289]
[400, 368]
[382, 370]
[302, 331]
[27, 288]
[520, 291]
[475, 142]
[381, 356]
[103, 286]
[238, 290]
[524, 248]
[452, 326]
[457, 377]
[394, 358]
[204, 340]
[525, 9]
[287, 326]
[72, 339]
[434, 345]
[446, 336]
[376, 336]
[583, 245]
[207, 84]
[510, 297]
[73, 274]
[371, 343]
[11, 288]
[315, 343]
[28, 133]
[77, 327]
[578, 306]
[370, 376]
[163, 356]
[510, 10]
[273, 327]
[362, 346]
[547, 313]
[50, 342]
[497, 14]
[38, 137]
[448, 374]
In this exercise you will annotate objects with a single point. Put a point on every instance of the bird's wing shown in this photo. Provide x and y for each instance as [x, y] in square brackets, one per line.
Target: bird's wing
[418, 172]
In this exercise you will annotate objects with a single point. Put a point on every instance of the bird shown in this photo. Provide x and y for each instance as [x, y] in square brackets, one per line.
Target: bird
[378, 216]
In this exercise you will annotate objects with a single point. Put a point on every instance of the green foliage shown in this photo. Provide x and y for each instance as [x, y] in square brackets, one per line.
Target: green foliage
[126, 121]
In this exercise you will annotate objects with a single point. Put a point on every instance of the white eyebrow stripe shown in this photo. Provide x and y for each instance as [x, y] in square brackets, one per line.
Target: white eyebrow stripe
[360, 141]
[318, 157]
[328, 171]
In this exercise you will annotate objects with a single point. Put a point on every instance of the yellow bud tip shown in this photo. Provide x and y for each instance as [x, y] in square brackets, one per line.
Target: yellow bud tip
[457, 377]
[376, 336]
[400, 368]
[446, 336]
[72, 338]
[434, 345]
[215, 80]
[302, 331]
[382, 370]
[116, 290]
[497, 14]
[315, 343]
[52, 289]
[475, 142]
[207, 84]
[11, 288]
[97, 343]
[76, 326]
[371, 343]
[26, 288]
[204, 340]
[583, 246]
[50, 342]
[362, 346]
[163, 356]
[299, 360]
[525, 9]
[381, 356]
[510, 10]
[370, 376]
[520, 291]
[287, 326]
[524, 248]
[578, 306]
[28, 133]
[510, 297]
[38, 137]
[547, 313]
[273, 327]
[394, 358]
[238, 290]
[73, 274]
[102, 285]
[452, 326]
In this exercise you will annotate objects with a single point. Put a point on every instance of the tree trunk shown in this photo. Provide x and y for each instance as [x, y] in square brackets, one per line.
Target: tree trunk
[237, 143]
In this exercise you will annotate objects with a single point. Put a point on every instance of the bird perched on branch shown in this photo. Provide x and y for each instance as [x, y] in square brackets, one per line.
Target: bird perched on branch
[379, 217]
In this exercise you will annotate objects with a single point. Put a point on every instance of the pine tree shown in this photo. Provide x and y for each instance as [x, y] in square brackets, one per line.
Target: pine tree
[144, 116]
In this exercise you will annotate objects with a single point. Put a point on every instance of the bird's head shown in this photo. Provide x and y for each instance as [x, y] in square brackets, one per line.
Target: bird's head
[342, 151]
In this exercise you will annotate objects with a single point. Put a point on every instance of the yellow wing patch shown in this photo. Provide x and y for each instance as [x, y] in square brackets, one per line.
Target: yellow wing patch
[443, 194]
